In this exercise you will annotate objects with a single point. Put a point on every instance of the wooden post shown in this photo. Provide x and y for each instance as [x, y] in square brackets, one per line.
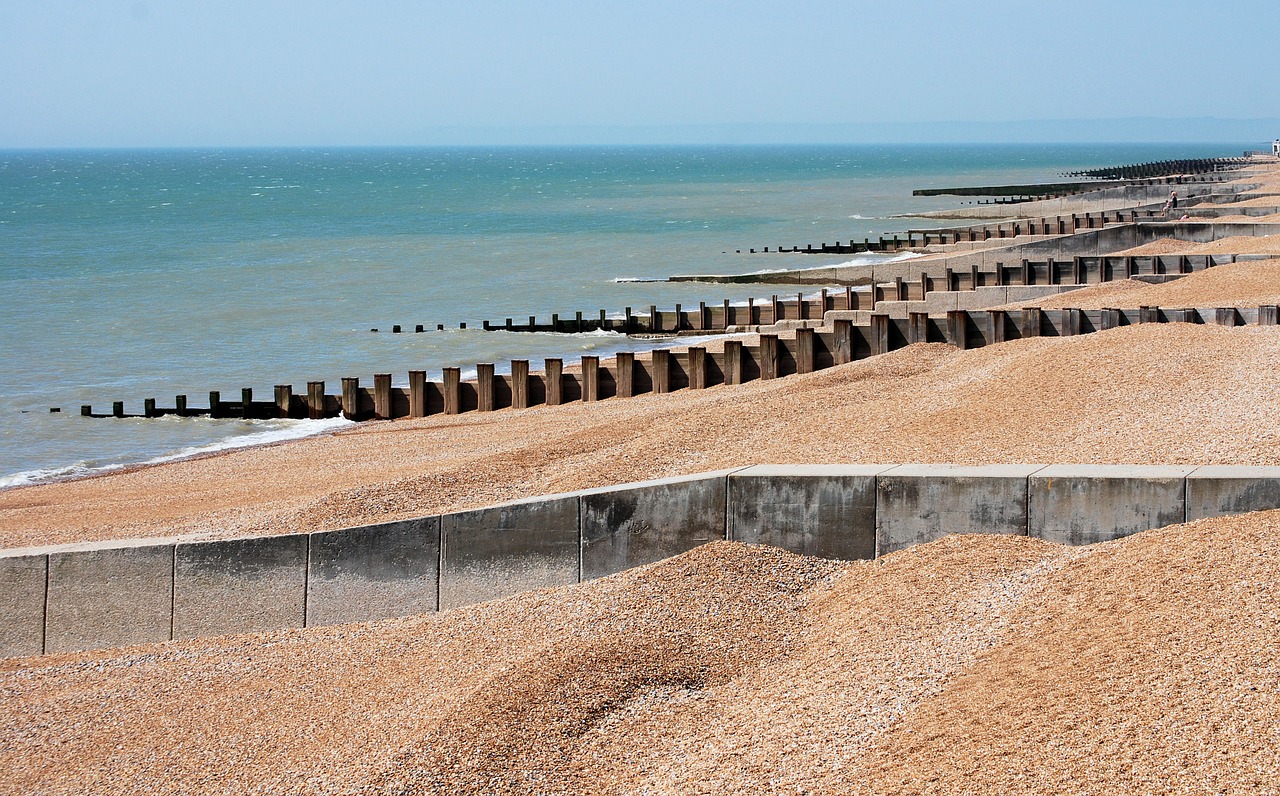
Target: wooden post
[149, 407]
[655, 322]
[86, 410]
[924, 285]
[848, 298]
[679, 317]
[577, 322]
[917, 327]
[823, 312]
[1031, 318]
[777, 309]
[1072, 322]
[417, 393]
[899, 289]
[284, 399]
[661, 370]
[452, 391]
[1268, 315]
[117, 409]
[603, 320]
[996, 322]
[726, 323]
[628, 322]
[246, 400]
[802, 306]
[382, 396]
[180, 405]
[315, 400]
[590, 378]
[697, 359]
[553, 370]
[958, 328]
[215, 403]
[951, 280]
[350, 397]
[843, 342]
[1110, 318]
[804, 352]
[1148, 315]
[702, 316]
[973, 277]
[879, 334]
[484, 387]
[1027, 274]
[751, 312]
[733, 361]
[625, 366]
[1226, 316]
[519, 384]
[768, 356]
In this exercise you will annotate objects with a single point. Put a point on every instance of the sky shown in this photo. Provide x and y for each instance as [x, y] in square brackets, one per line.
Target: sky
[145, 73]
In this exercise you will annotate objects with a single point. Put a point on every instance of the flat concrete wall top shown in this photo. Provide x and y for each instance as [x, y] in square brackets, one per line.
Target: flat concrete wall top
[964, 471]
[811, 470]
[1141, 471]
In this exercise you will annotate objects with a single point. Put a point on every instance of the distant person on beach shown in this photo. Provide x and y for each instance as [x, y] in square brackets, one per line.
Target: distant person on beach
[1173, 199]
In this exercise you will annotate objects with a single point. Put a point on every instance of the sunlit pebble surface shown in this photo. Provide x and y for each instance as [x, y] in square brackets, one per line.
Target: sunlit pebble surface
[1149, 394]
[979, 664]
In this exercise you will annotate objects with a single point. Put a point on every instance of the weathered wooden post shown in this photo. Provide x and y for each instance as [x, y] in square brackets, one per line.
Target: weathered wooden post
[842, 341]
[484, 387]
[351, 397]
[215, 403]
[802, 306]
[246, 399]
[577, 322]
[727, 320]
[1268, 315]
[590, 378]
[732, 361]
[899, 289]
[768, 356]
[1110, 318]
[679, 318]
[315, 400]
[1031, 321]
[1148, 315]
[1028, 275]
[382, 396]
[117, 409]
[997, 320]
[628, 321]
[655, 323]
[1226, 316]
[519, 384]
[924, 285]
[86, 410]
[879, 334]
[917, 327]
[697, 362]
[180, 405]
[284, 400]
[603, 320]
[661, 370]
[973, 277]
[149, 407]
[752, 317]
[957, 328]
[1072, 321]
[951, 280]
[624, 378]
[702, 316]
[777, 309]
[553, 370]
[848, 298]
[804, 350]
[452, 389]
[417, 393]
[823, 312]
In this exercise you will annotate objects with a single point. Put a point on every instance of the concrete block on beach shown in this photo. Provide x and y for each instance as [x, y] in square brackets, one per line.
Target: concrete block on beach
[649, 521]
[502, 550]
[22, 591]
[817, 510]
[1215, 490]
[373, 572]
[919, 503]
[109, 596]
[239, 585]
[1082, 504]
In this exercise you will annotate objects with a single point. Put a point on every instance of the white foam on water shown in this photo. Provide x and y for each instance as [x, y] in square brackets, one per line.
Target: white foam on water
[290, 429]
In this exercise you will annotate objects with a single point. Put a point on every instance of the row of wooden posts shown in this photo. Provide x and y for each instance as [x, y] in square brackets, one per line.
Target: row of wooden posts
[662, 371]
[665, 370]
[719, 318]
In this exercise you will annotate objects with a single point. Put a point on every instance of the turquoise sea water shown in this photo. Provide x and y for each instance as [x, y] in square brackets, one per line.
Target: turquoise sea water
[134, 274]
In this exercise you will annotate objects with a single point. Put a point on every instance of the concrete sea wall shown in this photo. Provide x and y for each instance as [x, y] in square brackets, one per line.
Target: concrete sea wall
[109, 594]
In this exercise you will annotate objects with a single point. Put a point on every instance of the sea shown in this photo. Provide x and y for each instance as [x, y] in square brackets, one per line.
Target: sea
[131, 274]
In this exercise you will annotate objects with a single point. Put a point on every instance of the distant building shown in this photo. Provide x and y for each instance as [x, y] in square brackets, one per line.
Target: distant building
[1275, 147]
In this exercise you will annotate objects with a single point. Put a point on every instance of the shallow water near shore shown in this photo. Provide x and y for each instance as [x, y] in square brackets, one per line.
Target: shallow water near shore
[136, 274]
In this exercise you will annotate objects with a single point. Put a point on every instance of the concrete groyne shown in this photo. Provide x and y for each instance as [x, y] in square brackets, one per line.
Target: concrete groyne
[88, 596]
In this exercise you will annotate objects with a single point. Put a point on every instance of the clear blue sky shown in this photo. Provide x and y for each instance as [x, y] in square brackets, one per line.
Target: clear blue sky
[285, 72]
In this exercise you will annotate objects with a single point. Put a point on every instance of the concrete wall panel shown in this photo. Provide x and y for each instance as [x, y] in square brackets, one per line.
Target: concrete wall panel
[919, 503]
[22, 582]
[240, 585]
[1083, 504]
[818, 510]
[495, 552]
[373, 572]
[109, 597]
[646, 522]
[1217, 490]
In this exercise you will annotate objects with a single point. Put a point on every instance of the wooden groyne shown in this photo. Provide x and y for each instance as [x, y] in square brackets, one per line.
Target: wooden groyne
[628, 374]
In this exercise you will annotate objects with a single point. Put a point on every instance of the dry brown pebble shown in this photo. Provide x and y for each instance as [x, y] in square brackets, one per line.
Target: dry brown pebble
[1251, 283]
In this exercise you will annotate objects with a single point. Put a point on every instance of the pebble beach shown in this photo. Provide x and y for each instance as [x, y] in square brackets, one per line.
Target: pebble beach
[974, 664]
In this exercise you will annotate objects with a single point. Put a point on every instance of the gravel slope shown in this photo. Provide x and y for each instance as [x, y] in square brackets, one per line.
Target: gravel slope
[1251, 283]
[977, 664]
